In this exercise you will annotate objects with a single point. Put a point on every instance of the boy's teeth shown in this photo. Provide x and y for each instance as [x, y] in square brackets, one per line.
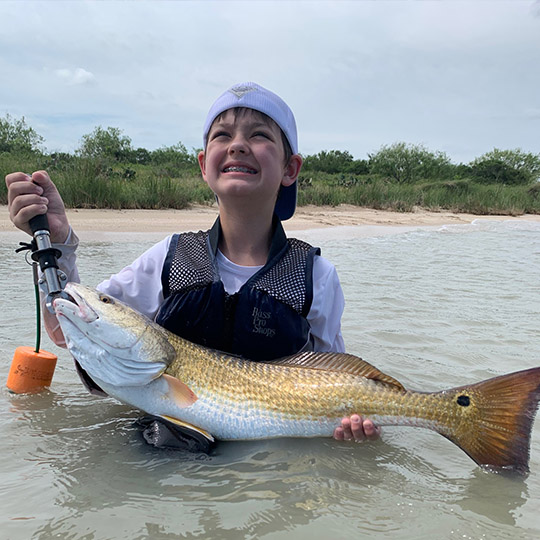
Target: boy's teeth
[239, 169]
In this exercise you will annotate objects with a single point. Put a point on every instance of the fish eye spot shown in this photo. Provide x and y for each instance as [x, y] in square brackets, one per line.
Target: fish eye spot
[106, 299]
[464, 401]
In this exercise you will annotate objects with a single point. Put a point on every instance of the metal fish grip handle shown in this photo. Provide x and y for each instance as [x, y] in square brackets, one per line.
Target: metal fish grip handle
[47, 257]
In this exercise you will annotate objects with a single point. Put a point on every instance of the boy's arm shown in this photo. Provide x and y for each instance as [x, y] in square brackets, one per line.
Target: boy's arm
[28, 197]
[139, 284]
[327, 307]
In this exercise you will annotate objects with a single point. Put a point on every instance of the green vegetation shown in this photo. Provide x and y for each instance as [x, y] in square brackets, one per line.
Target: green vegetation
[107, 172]
[16, 136]
[407, 163]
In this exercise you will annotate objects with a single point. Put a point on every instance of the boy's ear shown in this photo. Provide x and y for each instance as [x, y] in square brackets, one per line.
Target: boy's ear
[292, 170]
[202, 163]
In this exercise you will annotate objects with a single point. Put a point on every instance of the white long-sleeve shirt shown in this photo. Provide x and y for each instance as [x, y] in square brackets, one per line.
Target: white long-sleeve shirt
[139, 286]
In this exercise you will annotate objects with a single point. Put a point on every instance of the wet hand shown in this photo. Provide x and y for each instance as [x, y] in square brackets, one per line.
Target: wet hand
[357, 428]
[29, 196]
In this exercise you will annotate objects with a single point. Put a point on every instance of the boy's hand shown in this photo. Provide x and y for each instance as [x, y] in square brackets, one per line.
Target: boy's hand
[29, 196]
[358, 429]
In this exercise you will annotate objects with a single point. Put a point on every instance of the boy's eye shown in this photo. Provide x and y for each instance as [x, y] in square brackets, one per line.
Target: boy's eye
[220, 134]
[261, 134]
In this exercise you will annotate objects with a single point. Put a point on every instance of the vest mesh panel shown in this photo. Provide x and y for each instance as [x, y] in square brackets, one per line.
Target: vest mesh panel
[286, 280]
[190, 267]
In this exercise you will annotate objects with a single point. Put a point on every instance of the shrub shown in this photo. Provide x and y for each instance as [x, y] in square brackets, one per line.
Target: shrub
[335, 161]
[407, 163]
[175, 159]
[16, 136]
[510, 167]
[107, 144]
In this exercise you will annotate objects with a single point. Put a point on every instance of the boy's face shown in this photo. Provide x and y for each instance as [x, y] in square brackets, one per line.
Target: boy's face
[244, 160]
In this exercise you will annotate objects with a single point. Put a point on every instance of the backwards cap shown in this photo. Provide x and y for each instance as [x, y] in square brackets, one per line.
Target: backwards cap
[253, 96]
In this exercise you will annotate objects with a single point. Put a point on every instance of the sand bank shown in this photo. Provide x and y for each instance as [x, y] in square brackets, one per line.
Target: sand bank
[201, 218]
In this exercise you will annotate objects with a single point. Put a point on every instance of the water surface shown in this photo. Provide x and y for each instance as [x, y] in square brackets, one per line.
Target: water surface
[435, 308]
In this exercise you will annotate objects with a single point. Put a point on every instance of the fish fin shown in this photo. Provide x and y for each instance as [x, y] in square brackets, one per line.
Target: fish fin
[187, 425]
[179, 392]
[498, 418]
[347, 363]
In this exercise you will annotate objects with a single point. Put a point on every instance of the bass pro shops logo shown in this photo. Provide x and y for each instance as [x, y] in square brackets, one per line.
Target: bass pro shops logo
[260, 321]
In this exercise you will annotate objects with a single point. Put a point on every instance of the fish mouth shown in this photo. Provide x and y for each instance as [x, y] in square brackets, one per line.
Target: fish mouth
[79, 317]
[74, 308]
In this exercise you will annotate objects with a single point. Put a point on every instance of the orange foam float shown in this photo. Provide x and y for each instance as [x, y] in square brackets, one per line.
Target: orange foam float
[31, 371]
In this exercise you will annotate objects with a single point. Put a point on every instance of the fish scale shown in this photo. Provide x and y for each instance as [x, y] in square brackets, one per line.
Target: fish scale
[293, 397]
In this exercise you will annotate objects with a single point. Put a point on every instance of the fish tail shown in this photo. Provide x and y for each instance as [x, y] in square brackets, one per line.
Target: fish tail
[496, 419]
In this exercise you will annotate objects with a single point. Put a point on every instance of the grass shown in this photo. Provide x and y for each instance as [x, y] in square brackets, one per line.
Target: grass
[94, 183]
[457, 196]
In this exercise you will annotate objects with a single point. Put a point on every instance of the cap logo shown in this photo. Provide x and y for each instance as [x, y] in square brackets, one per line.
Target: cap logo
[241, 90]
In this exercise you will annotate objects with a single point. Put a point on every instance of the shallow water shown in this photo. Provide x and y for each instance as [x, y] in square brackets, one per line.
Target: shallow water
[435, 308]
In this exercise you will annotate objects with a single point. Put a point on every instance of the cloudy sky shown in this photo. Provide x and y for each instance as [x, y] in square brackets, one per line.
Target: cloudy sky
[462, 77]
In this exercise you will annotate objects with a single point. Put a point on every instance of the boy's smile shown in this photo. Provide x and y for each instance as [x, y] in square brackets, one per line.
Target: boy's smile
[238, 167]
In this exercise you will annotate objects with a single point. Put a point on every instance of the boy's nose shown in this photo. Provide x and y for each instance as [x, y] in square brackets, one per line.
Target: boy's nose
[238, 145]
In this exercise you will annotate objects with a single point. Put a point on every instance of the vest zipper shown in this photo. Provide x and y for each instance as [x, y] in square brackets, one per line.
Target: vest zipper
[229, 316]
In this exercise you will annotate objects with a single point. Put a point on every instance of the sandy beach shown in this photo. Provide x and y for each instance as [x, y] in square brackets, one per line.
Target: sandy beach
[201, 217]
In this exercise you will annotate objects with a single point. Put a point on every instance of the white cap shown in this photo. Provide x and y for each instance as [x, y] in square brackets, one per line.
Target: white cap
[253, 96]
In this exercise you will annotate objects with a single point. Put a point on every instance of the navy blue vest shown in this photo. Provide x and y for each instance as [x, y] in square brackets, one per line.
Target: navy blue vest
[266, 319]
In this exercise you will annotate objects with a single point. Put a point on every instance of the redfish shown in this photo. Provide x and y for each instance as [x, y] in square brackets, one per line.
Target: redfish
[140, 363]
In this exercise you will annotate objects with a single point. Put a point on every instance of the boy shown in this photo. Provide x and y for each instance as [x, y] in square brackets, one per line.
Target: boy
[241, 287]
